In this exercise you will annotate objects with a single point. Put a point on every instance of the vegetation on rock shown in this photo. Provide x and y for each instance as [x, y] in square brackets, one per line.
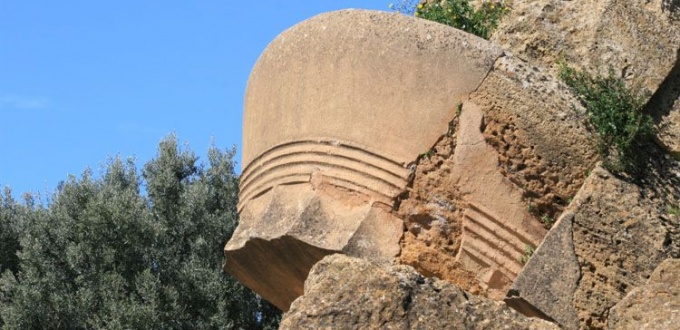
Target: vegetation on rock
[616, 113]
[460, 14]
[528, 253]
[101, 254]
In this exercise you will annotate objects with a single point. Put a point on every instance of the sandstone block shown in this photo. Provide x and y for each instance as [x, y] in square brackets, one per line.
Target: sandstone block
[350, 293]
[336, 110]
[619, 232]
[497, 225]
[637, 39]
[517, 153]
[655, 305]
[545, 287]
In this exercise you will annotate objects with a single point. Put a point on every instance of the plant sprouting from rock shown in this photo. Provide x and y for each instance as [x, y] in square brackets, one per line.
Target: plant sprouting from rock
[616, 113]
[460, 14]
[528, 252]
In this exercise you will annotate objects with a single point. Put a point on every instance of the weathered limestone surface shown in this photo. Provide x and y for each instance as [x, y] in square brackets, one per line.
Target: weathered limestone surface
[622, 231]
[619, 232]
[655, 305]
[329, 174]
[448, 158]
[545, 287]
[540, 132]
[497, 225]
[332, 123]
[518, 151]
[638, 39]
[350, 293]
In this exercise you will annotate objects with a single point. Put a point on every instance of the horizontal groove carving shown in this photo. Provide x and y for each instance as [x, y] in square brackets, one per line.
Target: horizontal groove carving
[283, 179]
[484, 217]
[492, 241]
[320, 146]
[500, 259]
[343, 165]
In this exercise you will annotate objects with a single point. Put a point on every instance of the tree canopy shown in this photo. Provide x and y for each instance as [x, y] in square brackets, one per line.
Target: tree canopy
[128, 249]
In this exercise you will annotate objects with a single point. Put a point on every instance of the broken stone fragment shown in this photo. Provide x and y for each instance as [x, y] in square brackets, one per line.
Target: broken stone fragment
[497, 225]
[655, 305]
[639, 40]
[336, 109]
[610, 239]
[349, 293]
[545, 287]
[518, 152]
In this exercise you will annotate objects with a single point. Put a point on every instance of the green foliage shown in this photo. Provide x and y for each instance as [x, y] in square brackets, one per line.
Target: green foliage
[103, 255]
[9, 232]
[547, 220]
[528, 252]
[673, 210]
[460, 14]
[616, 113]
[531, 208]
[427, 154]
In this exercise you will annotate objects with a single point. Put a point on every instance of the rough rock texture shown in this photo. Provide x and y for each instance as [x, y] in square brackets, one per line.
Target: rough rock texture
[349, 293]
[454, 158]
[539, 130]
[655, 305]
[664, 106]
[497, 225]
[469, 220]
[331, 124]
[547, 283]
[638, 39]
[621, 231]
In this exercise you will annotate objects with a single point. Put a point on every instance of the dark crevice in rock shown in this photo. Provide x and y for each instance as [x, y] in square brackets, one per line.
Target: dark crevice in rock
[661, 102]
[672, 7]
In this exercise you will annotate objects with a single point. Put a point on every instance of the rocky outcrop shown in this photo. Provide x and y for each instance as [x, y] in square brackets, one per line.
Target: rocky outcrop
[332, 124]
[403, 140]
[655, 305]
[348, 161]
[349, 293]
[613, 235]
[664, 106]
[616, 230]
[545, 287]
[517, 153]
[639, 40]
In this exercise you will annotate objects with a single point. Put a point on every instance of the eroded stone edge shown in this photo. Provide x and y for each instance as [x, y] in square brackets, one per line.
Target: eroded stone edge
[546, 285]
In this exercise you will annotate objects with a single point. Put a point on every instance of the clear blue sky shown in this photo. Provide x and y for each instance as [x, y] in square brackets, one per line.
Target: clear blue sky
[84, 80]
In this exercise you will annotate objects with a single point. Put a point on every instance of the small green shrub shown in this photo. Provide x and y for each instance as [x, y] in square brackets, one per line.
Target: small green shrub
[547, 220]
[531, 208]
[427, 154]
[460, 14]
[673, 210]
[528, 252]
[616, 113]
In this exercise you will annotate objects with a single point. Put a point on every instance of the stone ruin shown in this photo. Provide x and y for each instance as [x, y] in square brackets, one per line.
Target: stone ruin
[339, 110]
[405, 142]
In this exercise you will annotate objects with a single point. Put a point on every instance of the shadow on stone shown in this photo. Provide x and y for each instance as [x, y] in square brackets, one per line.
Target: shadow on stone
[661, 102]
